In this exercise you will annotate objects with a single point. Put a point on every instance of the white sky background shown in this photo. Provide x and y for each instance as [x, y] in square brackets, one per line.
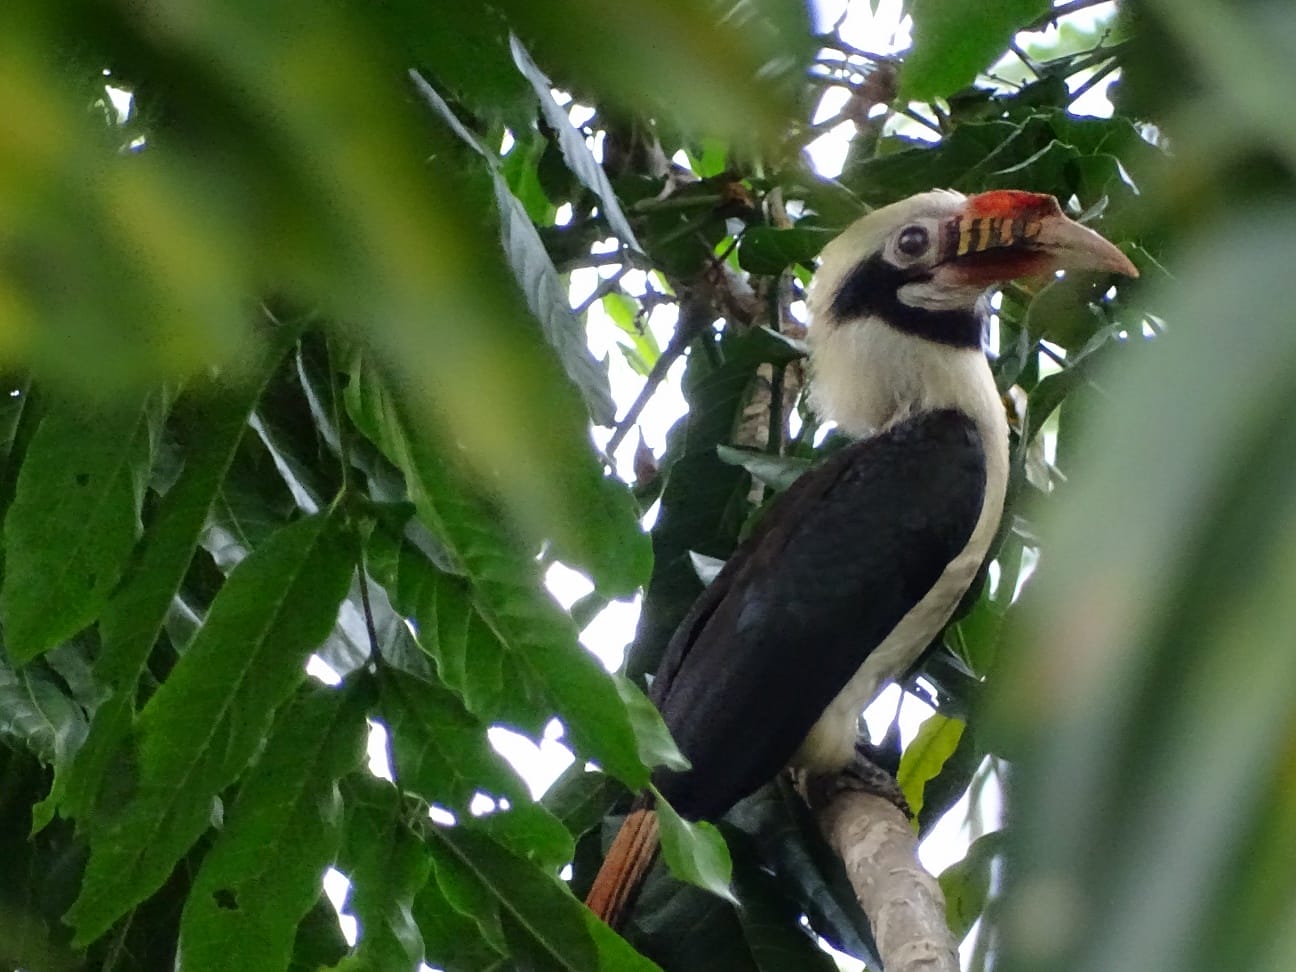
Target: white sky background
[611, 631]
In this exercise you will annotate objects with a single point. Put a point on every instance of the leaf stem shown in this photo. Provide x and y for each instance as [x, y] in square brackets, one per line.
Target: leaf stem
[1062, 10]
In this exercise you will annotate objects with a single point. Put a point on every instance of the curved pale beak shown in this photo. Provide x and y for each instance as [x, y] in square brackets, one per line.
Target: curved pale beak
[1006, 233]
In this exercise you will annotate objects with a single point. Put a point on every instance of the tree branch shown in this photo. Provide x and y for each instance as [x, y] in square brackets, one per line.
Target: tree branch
[904, 904]
[1061, 10]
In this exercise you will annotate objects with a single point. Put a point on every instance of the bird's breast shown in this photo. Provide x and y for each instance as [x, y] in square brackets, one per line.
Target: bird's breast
[829, 747]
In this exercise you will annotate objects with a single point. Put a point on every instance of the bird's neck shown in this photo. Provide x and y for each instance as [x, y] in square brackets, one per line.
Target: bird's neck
[868, 375]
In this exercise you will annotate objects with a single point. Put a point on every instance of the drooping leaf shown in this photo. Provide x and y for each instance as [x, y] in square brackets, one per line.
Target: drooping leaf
[246, 902]
[656, 747]
[947, 787]
[545, 294]
[438, 749]
[37, 714]
[319, 942]
[695, 852]
[207, 720]
[580, 798]
[643, 351]
[770, 920]
[542, 919]
[575, 152]
[966, 884]
[74, 518]
[780, 472]
[953, 41]
[387, 864]
[771, 250]
[454, 940]
[211, 418]
[506, 588]
[925, 757]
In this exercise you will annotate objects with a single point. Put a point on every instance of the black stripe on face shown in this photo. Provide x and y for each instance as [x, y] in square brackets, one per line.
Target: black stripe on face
[872, 290]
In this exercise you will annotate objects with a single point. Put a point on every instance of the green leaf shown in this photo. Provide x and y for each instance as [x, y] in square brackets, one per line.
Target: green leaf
[770, 921]
[1160, 624]
[208, 719]
[780, 472]
[74, 519]
[695, 851]
[545, 922]
[387, 864]
[1062, 313]
[546, 297]
[319, 942]
[924, 758]
[966, 885]
[643, 350]
[37, 714]
[530, 830]
[1051, 390]
[771, 250]
[470, 656]
[245, 904]
[506, 586]
[211, 417]
[683, 64]
[656, 747]
[581, 797]
[467, 48]
[454, 940]
[575, 151]
[949, 786]
[438, 749]
[953, 41]
[542, 287]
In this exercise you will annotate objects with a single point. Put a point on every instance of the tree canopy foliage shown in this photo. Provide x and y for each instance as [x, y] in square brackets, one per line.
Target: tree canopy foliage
[295, 375]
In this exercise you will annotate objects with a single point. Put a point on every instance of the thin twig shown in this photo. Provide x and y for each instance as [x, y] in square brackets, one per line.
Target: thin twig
[370, 627]
[701, 201]
[1094, 79]
[605, 287]
[1096, 56]
[1050, 353]
[774, 437]
[833, 42]
[914, 116]
[693, 317]
[118, 942]
[1062, 10]
[335, 392]
[621, 255]
[1024, 58]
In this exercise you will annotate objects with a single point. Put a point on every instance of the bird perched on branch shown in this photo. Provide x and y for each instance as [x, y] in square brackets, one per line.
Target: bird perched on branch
[859, 565]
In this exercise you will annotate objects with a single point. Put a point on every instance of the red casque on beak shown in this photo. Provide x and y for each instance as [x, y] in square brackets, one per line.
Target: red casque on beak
[1007, 233]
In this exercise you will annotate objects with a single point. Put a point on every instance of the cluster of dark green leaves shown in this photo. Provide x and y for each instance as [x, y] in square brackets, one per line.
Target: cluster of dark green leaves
[1053, 336]
[292, 371]
[1149, 705]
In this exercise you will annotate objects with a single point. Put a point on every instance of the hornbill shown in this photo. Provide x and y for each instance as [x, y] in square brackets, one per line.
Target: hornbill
[860, 563]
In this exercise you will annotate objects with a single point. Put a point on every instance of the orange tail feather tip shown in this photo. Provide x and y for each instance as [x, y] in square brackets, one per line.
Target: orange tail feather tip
[624, 868]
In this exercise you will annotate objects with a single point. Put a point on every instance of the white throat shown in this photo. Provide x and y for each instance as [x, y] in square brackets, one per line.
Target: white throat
[868, 375]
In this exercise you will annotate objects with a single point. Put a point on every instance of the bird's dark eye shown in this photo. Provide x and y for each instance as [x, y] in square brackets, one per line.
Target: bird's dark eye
[912, 241]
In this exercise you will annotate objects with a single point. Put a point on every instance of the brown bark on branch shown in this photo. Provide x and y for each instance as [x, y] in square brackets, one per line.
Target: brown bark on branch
[904, 904]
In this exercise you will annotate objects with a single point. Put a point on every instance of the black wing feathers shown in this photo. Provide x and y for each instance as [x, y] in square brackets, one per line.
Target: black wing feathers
[830, 570]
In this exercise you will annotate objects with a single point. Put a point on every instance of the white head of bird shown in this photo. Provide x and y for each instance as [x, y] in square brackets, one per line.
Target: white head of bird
[899, 306]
